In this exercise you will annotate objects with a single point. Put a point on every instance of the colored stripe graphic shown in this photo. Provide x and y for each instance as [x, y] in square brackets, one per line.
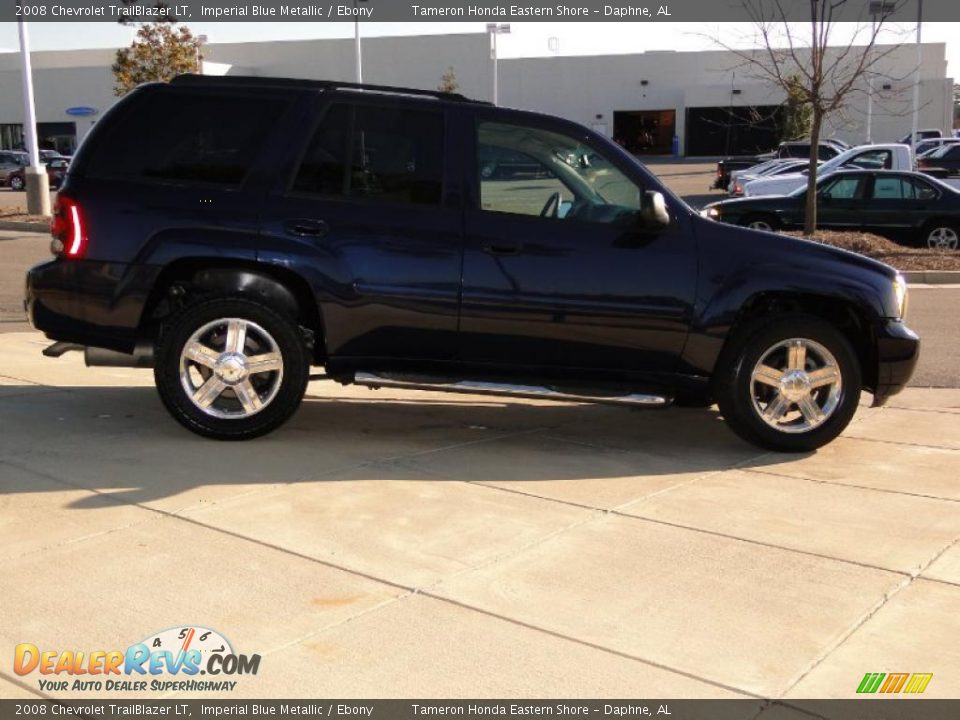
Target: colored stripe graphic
[894, 682]
[870, 682]
[918, 683]
[914, 683]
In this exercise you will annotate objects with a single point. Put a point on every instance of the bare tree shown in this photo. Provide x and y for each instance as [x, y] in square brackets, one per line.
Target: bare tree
[808, 70]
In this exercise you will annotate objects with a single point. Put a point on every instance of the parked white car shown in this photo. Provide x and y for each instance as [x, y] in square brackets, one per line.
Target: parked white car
[864, 157]
[782, 167]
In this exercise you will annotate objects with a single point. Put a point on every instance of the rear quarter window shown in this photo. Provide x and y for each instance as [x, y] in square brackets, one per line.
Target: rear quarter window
[186, 138]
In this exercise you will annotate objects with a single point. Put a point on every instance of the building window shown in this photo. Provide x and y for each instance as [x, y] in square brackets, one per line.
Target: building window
[11, 136]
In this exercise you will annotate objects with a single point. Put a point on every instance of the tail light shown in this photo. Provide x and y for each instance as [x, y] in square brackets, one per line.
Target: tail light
[719, 171]
[923, 162]
[68, 229]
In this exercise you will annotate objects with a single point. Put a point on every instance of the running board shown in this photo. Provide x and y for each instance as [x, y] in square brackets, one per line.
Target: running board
[535, 392]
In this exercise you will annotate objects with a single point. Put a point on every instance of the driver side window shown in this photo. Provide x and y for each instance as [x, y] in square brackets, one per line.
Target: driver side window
[517, 183]
[530, 171]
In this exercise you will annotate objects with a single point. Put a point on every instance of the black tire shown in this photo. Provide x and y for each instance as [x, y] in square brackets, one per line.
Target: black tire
[733, 385]
[772, 223]
[287, 386]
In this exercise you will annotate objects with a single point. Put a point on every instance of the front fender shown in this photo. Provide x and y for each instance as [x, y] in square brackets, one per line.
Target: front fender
[739, 265]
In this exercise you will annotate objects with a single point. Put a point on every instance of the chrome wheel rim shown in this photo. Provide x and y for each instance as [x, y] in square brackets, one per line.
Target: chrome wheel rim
[760, 225]
[796, 386]
[231, 368]
[16, 184]
[942, 238]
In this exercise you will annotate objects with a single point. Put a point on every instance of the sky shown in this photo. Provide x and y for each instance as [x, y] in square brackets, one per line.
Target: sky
[527, 39]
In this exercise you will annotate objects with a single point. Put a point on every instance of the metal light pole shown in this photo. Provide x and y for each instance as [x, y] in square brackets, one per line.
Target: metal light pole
[882, 8]
[38, 185]
[916, 84]
[356, 41]
[494, 29]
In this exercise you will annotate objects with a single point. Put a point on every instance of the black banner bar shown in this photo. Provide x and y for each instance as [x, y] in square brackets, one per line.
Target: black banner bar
[854, 709]
[463, 10]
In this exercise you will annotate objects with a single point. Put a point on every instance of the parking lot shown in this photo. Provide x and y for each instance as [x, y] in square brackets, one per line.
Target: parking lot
[401, 544]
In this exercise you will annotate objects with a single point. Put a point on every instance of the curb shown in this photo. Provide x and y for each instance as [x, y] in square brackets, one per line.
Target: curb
[28, 226]
[931, 277]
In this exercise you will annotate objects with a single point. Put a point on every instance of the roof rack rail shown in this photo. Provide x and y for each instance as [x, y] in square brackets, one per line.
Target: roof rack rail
[250, 81]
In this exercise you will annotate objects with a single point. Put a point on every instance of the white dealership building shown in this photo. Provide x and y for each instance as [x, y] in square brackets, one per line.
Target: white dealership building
[707, 100]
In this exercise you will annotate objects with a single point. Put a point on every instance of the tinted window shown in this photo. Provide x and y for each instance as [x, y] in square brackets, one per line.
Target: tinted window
[530, 171]
[388, 154]
[872, 160]
[795, 151]
[187, 138]
[844, 188]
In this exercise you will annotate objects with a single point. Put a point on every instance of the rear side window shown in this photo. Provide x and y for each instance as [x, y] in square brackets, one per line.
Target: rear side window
[386, 154]
[186, 138]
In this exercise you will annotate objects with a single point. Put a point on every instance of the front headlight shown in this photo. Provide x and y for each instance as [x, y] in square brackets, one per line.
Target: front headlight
[712, 213]
[900, 295]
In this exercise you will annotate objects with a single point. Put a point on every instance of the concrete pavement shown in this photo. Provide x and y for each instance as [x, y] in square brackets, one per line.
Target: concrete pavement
[419, 544]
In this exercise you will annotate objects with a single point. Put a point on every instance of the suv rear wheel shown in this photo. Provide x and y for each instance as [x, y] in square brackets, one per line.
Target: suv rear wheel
[231, 368]
[791, 384]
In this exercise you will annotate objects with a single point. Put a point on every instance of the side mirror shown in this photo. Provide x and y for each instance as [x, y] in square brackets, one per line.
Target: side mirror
[653, 210]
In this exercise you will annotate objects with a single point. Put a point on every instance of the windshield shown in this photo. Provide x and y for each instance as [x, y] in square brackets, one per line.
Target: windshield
[940, 151]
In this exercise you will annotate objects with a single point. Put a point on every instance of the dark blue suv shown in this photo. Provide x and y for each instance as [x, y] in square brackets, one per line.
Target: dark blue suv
[233, 232]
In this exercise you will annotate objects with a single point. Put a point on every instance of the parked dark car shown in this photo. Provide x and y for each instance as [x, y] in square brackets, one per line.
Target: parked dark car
[882, 201]
[10, 162]
[56, 172]
[946, 158]
[282, 224]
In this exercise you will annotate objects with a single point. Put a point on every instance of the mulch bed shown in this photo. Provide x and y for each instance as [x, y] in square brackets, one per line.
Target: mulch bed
[18, 214]
[884, 250]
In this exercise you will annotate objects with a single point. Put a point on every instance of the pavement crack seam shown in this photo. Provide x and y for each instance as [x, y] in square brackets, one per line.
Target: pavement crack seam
[25, 686]
[903, 443]
[834, 483]
[760, 543]
[593, 645]
[865, 617]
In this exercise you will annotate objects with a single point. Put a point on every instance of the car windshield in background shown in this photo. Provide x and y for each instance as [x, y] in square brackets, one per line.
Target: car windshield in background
[941, 151]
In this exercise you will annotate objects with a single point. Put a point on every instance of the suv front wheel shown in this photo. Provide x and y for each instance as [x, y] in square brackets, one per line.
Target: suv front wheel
[791, 384]
[231, 368]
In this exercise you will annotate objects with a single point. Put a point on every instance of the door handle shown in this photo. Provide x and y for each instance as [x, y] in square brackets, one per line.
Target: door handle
[503, 248]
[303, 227]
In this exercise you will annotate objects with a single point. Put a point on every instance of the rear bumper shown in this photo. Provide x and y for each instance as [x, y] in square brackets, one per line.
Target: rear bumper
[898, 349]
[87, 302]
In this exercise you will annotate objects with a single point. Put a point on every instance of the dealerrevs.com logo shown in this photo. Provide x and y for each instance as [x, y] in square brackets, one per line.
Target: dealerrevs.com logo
[167, 661]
